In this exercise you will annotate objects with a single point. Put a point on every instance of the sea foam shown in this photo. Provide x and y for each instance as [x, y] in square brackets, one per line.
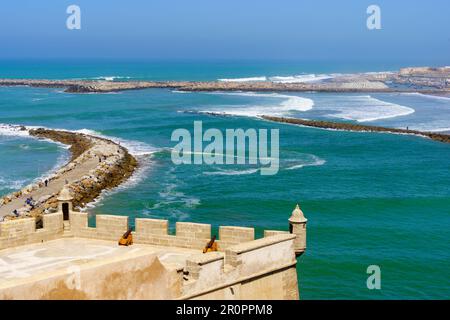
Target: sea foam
[110, 78]
[249, 79]
[300, 78]
[427, 96]
[287, 104]
[366, 108]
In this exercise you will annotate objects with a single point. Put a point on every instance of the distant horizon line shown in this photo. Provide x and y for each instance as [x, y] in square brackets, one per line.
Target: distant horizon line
[418, 62]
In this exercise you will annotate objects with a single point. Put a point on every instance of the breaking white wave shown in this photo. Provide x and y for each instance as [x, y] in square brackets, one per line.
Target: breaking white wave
[220, 172]
[13, 130]
[313, 161]
[294, 161]
[140, 150]
[136, 148]
[18, 131]
[180, 91]
[250, 79]
[60, 162]
[367, 108]
[288, 104]
[428, 96]
[143, 153]
[110, 78]
[300, 78]
[13, 184]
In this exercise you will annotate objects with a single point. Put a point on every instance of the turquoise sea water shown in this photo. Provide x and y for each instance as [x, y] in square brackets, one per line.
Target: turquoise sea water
[371, 198]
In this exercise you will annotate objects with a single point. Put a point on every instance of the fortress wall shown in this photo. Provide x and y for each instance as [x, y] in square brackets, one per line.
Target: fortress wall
[253, 255]
[23, 231]
[156, 232]
[188, 235]
[269, 233]
[194, 230]
[17, 228]
[108, 227]
[132, 276]
[276, 285]
[259, 269]
[112, 227]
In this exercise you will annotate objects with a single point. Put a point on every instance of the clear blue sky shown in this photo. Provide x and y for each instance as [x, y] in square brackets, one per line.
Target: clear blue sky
[228, 29]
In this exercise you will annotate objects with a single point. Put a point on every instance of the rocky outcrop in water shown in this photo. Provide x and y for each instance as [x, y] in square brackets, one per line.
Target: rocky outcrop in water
[96, 164]
[358, 127]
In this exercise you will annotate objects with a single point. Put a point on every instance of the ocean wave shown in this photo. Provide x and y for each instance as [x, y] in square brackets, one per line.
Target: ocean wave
[313, 161]
[366, 108]
[249, 79]
[180, 91]
[60, 162]
[293, 161]
[145, 165]
[143, 153]
[288, 104]
[13, 184]
[139, 149]
[13, 130]
[110, 78]
[172, 202]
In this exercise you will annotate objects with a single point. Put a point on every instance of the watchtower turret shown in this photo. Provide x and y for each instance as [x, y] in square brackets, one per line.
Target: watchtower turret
[65, 202]
[297, 226]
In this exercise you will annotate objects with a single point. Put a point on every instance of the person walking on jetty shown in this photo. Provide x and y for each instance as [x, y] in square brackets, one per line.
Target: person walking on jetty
[46, 182]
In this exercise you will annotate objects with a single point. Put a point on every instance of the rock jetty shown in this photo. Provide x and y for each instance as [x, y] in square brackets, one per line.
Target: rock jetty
[358, 127]
[424, 79]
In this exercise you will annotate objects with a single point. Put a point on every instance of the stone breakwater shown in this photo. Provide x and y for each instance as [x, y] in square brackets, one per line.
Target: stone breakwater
[96, 164]
[425, 80]
[358, 127]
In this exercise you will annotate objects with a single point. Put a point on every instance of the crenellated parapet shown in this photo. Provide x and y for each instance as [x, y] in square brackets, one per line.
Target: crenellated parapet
[242, 268]
[18, 232]
[156, 232]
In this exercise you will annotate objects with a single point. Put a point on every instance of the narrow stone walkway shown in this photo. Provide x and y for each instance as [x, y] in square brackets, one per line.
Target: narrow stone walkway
[54, 187]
